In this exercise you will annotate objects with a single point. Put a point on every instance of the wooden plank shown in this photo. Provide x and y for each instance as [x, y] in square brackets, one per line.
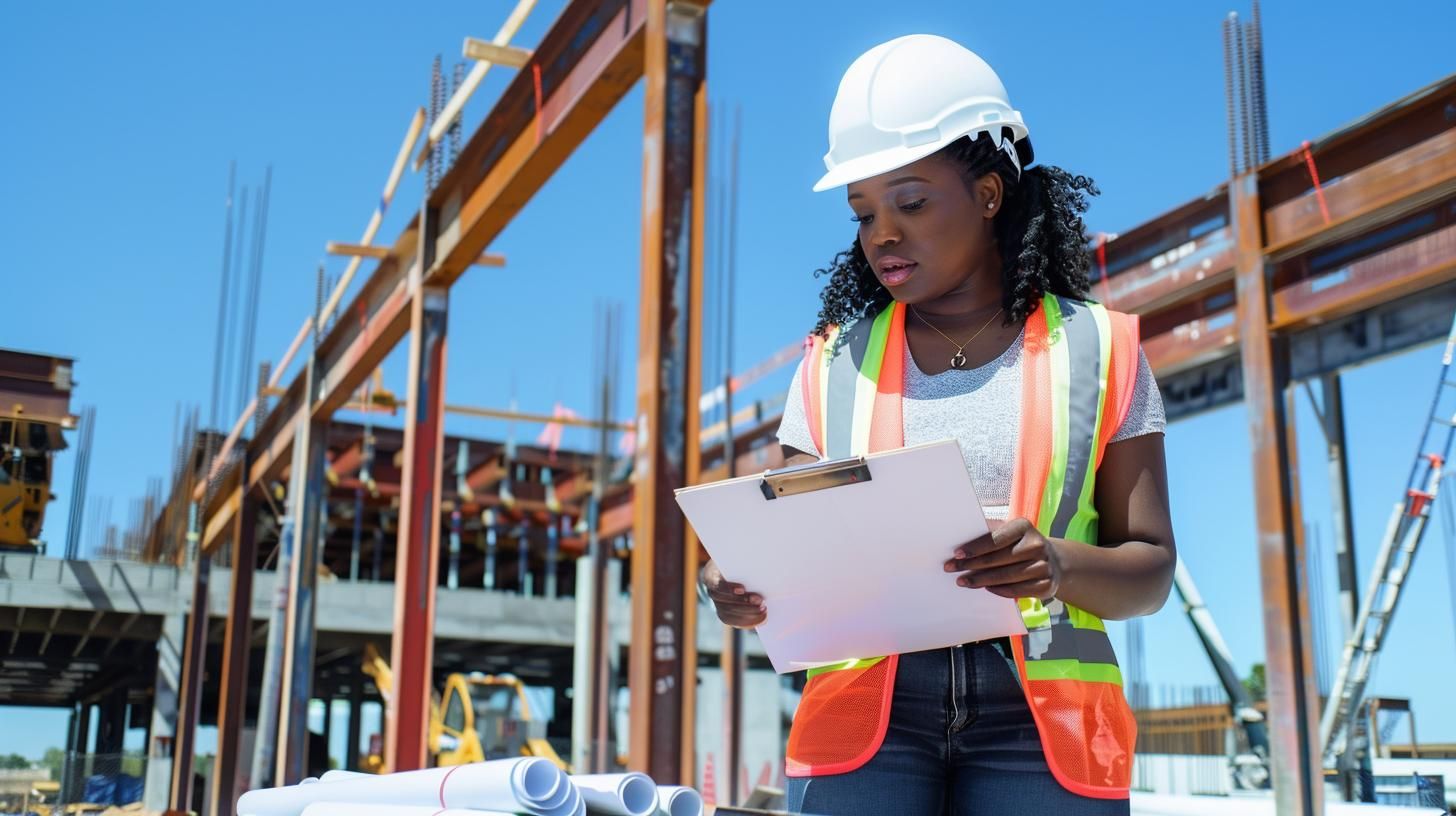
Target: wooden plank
[506, 55]
[356, 250]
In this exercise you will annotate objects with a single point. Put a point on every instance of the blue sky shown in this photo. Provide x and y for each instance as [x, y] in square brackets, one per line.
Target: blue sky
[119, 125]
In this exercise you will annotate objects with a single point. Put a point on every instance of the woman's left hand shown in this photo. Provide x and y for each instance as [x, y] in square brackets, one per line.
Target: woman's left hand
[1014, 560]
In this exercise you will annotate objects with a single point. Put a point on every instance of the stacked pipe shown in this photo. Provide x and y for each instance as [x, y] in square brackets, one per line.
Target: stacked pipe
[531, 786]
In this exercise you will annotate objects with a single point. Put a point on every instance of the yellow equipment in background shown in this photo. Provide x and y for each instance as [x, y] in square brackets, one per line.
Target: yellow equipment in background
[485, 716]
[35, 407]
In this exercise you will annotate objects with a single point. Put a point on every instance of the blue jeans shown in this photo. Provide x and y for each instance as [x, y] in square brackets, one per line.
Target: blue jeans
[961, 741]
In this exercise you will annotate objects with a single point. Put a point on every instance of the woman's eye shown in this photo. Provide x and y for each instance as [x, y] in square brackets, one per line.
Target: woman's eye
[862, 219]
[913, 206]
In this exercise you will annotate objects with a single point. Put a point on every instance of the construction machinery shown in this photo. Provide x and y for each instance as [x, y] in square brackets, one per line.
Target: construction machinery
[35, 398]
[1249, 765]
[484, 716]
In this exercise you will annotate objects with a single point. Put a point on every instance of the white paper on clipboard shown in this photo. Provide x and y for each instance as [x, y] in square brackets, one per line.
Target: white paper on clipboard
[855, 569]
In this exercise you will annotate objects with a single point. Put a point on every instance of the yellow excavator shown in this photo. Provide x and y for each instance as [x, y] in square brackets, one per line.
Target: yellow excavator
[484, 716]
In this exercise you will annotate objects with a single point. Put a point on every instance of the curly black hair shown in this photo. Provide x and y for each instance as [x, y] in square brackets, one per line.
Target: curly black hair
[1039, 232]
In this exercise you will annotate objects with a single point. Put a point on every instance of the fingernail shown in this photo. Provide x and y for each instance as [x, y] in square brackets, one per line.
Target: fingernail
[755, 599]
[762, 608]
[950, 566]
[963, 581]
[738, 591]
[960, 554]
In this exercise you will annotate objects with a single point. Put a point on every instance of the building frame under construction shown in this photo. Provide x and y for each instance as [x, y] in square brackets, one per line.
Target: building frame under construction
[1298, 266]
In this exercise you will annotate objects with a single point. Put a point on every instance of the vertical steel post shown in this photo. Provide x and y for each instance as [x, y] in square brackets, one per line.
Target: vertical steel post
[1293, 696]
[296, 685]
[664, 560]
[232, 703]
[1344, 522]
[418, 560]
[194, 656]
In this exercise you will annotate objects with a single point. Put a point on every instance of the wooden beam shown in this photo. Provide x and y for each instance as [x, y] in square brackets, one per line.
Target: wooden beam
[506, 55]
[356, 250]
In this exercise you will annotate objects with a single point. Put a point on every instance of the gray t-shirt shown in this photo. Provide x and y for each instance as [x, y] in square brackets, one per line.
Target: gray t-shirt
[980, 408]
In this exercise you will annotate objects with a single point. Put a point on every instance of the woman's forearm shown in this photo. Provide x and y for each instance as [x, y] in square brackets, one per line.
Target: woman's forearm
[1115, 582]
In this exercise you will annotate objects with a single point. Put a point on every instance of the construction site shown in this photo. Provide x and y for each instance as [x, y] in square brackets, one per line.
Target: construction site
[339, 557]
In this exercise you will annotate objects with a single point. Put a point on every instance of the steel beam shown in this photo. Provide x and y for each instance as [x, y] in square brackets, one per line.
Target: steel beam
[189, 699]
[307, 505]
[232, 703]
[1333, 417]
[418, 555]
[1293, 695]
[664, 557]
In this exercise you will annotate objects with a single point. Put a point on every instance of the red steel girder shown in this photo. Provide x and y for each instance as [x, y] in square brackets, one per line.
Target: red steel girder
[417, 559]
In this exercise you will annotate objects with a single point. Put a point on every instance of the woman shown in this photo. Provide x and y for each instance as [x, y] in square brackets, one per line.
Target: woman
[964, 300]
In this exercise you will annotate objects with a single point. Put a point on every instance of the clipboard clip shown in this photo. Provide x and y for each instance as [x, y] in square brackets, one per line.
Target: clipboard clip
[792, 481]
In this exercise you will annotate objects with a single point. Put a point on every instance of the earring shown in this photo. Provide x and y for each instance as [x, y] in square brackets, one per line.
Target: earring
[990, 205]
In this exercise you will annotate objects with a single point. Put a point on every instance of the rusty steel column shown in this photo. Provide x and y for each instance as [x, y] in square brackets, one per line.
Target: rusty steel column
[663, 669]
[417, 563]
[1293, 695]
[296, 686]
[194, 662]
[232, 703]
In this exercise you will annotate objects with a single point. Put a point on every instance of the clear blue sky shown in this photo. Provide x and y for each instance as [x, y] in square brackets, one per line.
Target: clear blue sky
[119, 125]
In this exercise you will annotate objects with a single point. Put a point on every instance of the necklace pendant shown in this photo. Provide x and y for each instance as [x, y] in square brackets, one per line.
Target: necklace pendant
[958, 361]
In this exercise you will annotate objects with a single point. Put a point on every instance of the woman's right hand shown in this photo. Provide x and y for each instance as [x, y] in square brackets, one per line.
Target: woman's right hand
[736, 605]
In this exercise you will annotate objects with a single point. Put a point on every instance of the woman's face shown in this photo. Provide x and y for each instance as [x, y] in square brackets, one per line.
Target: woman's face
[927, 233]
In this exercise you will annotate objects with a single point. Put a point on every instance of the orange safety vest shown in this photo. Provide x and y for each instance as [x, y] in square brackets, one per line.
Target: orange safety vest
[1079, 361]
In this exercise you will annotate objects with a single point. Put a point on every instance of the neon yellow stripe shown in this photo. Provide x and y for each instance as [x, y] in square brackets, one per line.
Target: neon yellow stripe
[867, 383]
[1082, 619]
[1034, 613]
[861, 663]
[1083, 526]
[1073, 670]
[1061, 367]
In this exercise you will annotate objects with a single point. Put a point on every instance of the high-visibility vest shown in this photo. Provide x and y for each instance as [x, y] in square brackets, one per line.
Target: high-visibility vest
[1079, 361]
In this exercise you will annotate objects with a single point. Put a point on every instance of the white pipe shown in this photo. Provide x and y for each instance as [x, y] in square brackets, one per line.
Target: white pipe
[674, 800]
[626, 794]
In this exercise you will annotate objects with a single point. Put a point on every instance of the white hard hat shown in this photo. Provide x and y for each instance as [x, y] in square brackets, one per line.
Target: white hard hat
[904, 100]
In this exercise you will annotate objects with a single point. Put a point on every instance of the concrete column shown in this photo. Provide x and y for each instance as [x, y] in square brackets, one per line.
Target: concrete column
[164, 713]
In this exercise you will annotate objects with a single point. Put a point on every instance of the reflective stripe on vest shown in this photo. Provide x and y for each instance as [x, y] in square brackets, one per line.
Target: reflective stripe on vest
[1078, 362]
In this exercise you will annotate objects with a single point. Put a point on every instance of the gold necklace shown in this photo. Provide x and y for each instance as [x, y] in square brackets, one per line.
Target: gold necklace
[959, 360]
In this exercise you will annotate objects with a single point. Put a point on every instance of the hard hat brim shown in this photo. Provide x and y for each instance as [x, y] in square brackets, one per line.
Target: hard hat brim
[875, 164]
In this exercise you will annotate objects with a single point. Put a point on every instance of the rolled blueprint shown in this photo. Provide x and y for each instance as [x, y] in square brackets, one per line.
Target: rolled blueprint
[335, 776]
[356, 809]
[673, 800]
[524, 785]
[625, 794]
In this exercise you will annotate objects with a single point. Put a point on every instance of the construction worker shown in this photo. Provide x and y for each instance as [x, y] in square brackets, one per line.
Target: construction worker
[962, 311]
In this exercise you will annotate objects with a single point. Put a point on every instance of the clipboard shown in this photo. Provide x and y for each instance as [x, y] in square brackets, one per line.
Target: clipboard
[848, 554]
